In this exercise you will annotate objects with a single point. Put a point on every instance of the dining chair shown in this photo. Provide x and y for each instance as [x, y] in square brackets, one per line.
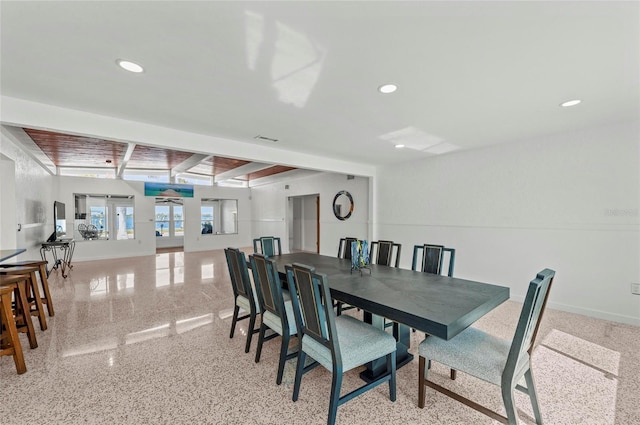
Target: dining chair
[496, 361]
[35, 306]
[344, 247]
[266, 245]
[338, 343]
[433, 257]
[243, 293]
[276, 307]
[381, 252]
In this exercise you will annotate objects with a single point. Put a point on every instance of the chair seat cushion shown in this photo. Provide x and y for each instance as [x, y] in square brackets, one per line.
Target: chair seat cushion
[243, 303]
[472, 351]
[359, 343]
[274, 322]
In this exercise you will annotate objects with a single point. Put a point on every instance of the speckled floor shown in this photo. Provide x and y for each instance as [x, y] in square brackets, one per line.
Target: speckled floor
[146, 341]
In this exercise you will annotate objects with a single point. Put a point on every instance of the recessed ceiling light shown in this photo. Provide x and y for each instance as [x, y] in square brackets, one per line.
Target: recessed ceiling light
[399, 146]
[570, 103]
[129, 66]
[387, 88]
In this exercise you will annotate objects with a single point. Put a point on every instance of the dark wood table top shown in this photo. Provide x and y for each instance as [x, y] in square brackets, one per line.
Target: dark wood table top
[8, 253]
[437, 305]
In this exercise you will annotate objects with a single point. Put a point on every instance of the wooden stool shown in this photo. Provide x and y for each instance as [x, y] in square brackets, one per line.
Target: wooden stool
[42, 267]
[9, 340]
[33, 293]
[18, 284]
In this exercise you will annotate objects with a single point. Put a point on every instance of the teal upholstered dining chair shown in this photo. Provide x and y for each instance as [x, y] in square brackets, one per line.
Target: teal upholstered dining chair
[499, 362]
[266, 245]
[277, 310]
[433, 257]
[381, 252]
[338, 343]
[243, 293]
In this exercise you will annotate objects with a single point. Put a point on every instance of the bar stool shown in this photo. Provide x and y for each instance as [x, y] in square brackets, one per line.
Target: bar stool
[42, 268]
[9, 340]
[32, 292]
[18, 284]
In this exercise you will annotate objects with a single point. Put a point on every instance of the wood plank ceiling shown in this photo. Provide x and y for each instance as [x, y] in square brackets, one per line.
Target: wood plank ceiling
[66, 150]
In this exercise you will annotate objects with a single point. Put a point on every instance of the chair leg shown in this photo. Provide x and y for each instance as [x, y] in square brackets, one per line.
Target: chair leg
[334, 401]
[45, 290]
[531, 389]
[391, 365]
[236, 311]
[283, 358]
[6, 316]
[252, 324]
[453, 374]
[302, 356]
[509, 406]
[422, 371]
[32, 287]
[263, 328]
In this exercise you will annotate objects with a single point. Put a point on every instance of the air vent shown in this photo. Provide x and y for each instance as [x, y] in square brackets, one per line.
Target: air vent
[269, 139]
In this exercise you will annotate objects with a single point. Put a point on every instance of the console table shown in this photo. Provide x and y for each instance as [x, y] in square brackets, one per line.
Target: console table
[62, 252]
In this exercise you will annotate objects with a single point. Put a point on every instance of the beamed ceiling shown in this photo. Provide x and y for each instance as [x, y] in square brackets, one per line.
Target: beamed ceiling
[72, 151]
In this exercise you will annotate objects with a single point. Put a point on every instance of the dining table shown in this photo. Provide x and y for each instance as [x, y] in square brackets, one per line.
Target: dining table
[439, 306]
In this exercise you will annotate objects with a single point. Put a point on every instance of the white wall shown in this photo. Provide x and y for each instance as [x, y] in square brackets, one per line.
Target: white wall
[26, 195]
[568, 202]
[270, 208]
[144, 216]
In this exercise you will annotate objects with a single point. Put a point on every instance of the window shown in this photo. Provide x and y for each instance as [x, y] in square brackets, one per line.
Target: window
[100, 173]
[219, 216]
[169, 217]
[101, 217]
[190, 178]
[160, 176]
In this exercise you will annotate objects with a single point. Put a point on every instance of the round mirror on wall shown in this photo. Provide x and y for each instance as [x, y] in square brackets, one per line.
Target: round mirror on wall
[343, 205]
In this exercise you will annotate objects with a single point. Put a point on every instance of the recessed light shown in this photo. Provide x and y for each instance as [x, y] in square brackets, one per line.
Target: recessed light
[387, 88]
[399, 146]
[570, 103]
[129, 66]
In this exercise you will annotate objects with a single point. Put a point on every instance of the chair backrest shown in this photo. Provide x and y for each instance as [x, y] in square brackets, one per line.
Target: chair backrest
[268, 286]
[535, 303]
[433, 258]
[239, 273]
[344, 248]
[313, 307]
[267, 246]
[381, 252]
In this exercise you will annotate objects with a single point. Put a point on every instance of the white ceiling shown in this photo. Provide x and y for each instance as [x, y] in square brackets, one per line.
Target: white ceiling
[469, 73]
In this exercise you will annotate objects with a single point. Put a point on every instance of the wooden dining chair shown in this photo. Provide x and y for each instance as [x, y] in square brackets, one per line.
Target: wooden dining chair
[21, 310]
[484, 356]
[338, 343]
[266, 245]
[245, 297]
[344, 247]
[432, 259]
[381, 252]
[276, 307]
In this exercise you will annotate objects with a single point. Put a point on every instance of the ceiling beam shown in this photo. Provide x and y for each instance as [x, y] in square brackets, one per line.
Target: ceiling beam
[18, 136]
[126, 158]
[189, 163]
[241, 171]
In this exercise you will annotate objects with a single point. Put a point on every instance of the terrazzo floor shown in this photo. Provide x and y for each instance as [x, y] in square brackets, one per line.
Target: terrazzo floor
[145, 340]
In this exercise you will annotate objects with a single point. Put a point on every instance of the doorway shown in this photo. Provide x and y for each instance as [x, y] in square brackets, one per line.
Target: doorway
[169, 223]
[304, 223]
